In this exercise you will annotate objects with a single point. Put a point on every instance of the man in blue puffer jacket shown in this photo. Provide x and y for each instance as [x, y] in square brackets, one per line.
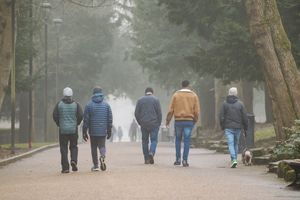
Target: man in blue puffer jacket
[97, 121]
[67, 115]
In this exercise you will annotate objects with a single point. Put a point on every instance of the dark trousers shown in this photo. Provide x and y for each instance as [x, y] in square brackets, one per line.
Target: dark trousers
[97, 142]
[64, 140]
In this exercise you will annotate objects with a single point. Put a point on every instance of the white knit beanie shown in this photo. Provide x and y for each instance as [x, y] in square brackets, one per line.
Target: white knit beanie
[233, 91]
[68, 92]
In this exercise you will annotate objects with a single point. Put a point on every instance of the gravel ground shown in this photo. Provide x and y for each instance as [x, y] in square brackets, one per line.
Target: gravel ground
[208, 177]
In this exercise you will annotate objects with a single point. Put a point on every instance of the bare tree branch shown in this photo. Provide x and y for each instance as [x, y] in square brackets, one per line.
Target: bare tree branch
[89, 5]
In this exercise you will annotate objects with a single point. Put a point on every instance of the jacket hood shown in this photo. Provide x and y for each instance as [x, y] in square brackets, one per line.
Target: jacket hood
[231, 99]
[98, 97]
[68, 100]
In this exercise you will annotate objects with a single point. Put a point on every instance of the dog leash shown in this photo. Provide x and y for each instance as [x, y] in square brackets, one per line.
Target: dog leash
[245, 141]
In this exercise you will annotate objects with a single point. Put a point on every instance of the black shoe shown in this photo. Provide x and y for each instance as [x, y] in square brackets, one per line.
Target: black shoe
[185, 163]
[65, 171]
[151, 159]
[102, 163]
[177, 162]
[147, 162]
[74, 166]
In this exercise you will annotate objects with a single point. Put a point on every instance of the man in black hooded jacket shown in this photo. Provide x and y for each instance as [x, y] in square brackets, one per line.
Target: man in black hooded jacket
[233, 118]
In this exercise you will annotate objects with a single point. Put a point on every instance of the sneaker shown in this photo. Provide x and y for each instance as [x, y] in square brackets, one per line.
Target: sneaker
[95, 169]
[234, 164]
[147, 162]
[151, 160]
[102, 163]
[65, 171]
[185, 163]
[74, 166]
[177, 162]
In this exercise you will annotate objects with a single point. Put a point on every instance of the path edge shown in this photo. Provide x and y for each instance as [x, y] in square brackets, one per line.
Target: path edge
[25, 155]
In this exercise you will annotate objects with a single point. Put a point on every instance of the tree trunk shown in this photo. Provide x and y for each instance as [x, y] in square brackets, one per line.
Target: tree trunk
[247, 95]
[269, 38]
[5, 46]
[268, 106]
[207, 103]
[220, 95]
[283, 50]
[23, 116]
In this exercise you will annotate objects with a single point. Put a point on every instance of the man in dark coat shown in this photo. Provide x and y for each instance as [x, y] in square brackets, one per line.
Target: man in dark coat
[148, 115]
[233, 118]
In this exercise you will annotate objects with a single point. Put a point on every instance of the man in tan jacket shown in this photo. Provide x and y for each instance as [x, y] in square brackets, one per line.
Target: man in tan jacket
[186, 108]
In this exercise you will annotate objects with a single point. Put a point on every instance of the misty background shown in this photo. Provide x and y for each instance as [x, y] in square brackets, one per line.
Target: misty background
[123, 47]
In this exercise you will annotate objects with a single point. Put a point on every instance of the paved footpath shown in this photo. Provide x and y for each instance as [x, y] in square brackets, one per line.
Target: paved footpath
[207, 178]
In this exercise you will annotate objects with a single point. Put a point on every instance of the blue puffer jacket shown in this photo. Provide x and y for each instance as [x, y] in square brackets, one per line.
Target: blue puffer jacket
[97, 118]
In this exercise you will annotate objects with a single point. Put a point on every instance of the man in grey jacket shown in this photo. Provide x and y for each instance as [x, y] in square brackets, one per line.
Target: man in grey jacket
[233, 118]
[148, 115]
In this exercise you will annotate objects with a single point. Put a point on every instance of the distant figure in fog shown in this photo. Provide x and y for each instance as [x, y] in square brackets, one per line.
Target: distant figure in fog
[185, 107]
[67, 115]
[120, 133]
[148, 115]
[113, 133]
[97, 123]
[133, 131]
[233, 117]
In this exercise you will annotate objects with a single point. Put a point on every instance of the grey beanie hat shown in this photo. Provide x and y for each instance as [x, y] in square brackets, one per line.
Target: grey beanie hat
[233, 91]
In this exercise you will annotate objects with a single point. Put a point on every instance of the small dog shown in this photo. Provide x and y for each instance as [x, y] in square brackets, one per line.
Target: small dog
[247, 157]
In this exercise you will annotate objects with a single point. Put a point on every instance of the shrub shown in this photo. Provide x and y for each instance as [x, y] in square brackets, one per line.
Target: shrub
[290, 148]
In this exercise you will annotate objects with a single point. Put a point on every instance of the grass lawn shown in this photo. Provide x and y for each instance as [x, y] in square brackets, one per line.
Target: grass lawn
[25, 145]
[264, 133]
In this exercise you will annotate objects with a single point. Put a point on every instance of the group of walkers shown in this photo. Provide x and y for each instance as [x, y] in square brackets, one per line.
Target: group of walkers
[185, 108]
[98, 124]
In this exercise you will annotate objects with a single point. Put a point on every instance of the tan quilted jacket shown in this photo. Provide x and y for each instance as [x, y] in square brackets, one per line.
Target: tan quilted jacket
[184, 106]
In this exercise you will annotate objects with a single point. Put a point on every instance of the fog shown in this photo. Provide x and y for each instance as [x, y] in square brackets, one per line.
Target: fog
[123, 114]
[123, 50]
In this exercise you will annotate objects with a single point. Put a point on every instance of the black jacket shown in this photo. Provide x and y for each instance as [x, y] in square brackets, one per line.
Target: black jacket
[233, 114]
[148, 112]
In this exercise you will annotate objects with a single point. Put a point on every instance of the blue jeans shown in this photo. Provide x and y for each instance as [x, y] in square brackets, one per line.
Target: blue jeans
[146, 133]
[185, 130]
[233, 137]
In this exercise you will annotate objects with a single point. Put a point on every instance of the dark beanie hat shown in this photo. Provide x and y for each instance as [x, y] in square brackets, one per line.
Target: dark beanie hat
[97, 90]
[148, 89]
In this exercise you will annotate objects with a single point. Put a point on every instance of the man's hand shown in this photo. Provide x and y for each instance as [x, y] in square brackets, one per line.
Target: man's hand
[167, 124]
[108, 133]
[245, 133]
[85, 136]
